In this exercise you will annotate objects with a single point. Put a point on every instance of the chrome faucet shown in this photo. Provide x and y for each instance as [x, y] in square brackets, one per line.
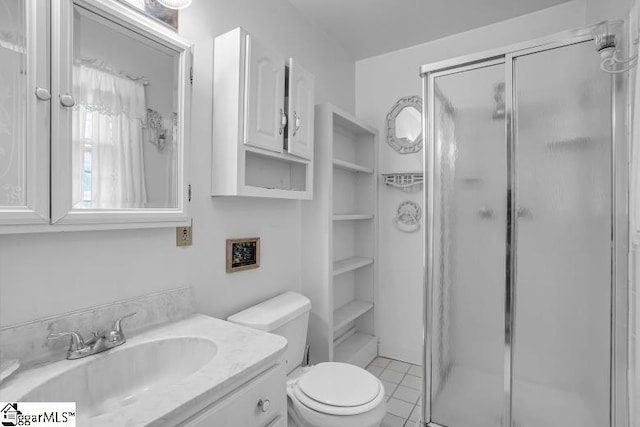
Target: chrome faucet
[99, 342]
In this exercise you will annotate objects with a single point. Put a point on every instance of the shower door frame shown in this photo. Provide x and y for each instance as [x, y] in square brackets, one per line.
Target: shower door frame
[618, 384]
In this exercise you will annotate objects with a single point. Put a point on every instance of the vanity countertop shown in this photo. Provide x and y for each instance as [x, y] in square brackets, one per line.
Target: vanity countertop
[242, 353]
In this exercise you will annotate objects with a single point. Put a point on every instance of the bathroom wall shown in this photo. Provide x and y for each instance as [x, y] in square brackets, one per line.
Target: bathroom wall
[48, 273]
[380, 82]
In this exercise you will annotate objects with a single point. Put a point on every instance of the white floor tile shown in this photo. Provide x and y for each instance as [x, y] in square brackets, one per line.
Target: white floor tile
[407, 394]
[392, 376]
[415, 371]
[398, 366]
[415, 414]
[399, 408]
[411, 381]
[391, 420]
[389, 388]
[375, 370]
[381, 361]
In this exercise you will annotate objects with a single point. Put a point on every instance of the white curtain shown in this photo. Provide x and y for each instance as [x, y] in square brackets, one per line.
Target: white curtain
[108, 163]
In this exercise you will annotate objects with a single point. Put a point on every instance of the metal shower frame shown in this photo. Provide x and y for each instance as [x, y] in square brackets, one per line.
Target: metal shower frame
[619, 375]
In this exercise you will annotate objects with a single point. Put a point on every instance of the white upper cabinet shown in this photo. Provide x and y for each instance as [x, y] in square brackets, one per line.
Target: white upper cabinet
[266, 119]
[101, 93]
[24, 113]
[262, 143]
[301, 111]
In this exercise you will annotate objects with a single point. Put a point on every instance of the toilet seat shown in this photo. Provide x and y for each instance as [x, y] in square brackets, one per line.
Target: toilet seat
[338, 389]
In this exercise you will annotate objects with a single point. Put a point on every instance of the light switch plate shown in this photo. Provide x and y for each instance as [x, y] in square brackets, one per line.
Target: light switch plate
[184, 236]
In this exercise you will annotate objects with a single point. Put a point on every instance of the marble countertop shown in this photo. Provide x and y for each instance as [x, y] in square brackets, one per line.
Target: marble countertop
[242, 353]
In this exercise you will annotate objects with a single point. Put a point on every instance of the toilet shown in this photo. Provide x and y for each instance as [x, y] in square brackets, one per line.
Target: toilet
[329, 394]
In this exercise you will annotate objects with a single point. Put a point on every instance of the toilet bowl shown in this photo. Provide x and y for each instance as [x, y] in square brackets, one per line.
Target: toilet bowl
[336, 395]
[329, 394]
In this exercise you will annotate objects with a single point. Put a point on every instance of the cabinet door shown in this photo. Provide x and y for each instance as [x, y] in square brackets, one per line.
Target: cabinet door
[264, 106]
[24, 112]
[261, 403]
[121, 90]
[301, 110]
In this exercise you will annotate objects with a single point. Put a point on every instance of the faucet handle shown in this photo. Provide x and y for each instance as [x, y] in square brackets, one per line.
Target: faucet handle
[76, 343]
[116, 333]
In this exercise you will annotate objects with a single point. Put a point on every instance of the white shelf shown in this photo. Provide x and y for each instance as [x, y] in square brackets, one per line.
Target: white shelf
[351, 217]
[349, 312]
[352, 167]
[350, 264]
[358, 349]
[276, 155]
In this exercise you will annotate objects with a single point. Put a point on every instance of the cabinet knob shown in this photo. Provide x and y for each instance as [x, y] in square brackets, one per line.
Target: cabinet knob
[264, 405]
[67, 100]
[296, 122]
[43, 94]
[283, 121]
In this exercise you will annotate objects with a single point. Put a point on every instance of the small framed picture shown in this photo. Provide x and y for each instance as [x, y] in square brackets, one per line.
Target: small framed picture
[243, 254]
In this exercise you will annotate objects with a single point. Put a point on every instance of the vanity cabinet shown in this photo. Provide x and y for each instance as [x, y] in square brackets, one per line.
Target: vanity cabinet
[262, 121]
[96, 134]
[262, 402]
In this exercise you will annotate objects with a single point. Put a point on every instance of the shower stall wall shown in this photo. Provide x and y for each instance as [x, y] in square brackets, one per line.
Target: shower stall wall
[525, 313]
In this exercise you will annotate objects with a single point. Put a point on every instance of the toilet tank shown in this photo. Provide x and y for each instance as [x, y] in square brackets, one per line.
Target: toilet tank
[286, 315]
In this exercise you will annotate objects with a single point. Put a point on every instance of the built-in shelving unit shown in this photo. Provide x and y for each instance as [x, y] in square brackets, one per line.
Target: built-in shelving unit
[339, 225]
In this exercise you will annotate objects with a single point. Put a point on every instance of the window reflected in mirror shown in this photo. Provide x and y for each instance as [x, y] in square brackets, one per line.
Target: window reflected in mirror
[124, 121]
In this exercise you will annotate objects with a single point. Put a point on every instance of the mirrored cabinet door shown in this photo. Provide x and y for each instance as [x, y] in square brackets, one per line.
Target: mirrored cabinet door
[119, 114]
[24, 112]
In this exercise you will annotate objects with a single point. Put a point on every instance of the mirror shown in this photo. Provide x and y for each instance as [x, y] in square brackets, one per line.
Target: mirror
[13, 103]
[125, 118]
[404, 125]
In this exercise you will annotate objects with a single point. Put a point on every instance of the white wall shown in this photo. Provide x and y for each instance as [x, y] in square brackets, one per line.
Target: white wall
[380, 82]
[44, 274]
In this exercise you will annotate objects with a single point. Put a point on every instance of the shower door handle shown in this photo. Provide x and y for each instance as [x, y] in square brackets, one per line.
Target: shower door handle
[523, 213]
[485, 213]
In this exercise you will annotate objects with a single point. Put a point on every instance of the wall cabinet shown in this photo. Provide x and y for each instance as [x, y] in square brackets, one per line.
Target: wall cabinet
[262, 121]
[339, 270]
[81, 149]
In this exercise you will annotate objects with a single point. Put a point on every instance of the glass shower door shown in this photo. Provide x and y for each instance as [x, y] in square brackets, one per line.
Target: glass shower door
[562, 290]
[468, 296]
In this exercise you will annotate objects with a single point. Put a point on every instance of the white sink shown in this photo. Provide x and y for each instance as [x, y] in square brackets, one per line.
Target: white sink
[111, 380]
[159, 377]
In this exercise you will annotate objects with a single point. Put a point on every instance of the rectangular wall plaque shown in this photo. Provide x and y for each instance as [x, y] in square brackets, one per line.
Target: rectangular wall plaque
[243, 254]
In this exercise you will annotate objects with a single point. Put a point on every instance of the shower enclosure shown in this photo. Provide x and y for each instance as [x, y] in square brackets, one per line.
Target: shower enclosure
[526, 245]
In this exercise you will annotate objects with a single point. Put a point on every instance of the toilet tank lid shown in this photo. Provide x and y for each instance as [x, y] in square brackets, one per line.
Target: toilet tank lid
[273, 313]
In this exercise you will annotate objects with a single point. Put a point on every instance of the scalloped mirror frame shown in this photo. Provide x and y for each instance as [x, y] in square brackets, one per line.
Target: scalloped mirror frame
[400, 144]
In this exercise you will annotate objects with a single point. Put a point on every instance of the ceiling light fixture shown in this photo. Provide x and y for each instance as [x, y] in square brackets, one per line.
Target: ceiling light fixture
[608, 36]
[175, 4]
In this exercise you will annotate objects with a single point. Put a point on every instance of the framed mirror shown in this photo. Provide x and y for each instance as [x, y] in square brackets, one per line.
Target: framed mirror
[119, 128]
[404, 125]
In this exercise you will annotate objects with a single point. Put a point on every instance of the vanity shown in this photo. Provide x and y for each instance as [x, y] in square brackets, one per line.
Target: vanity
[197, 371]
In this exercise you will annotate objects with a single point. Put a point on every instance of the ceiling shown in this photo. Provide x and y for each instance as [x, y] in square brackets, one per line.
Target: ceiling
[372, 27]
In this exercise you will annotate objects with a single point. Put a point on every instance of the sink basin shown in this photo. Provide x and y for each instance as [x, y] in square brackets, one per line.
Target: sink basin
[110, 381]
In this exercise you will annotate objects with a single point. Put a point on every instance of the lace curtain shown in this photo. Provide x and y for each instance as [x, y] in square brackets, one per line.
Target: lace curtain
[108, 160]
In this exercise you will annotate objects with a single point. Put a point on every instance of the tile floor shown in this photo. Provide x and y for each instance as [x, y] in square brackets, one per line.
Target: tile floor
[402, 383]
